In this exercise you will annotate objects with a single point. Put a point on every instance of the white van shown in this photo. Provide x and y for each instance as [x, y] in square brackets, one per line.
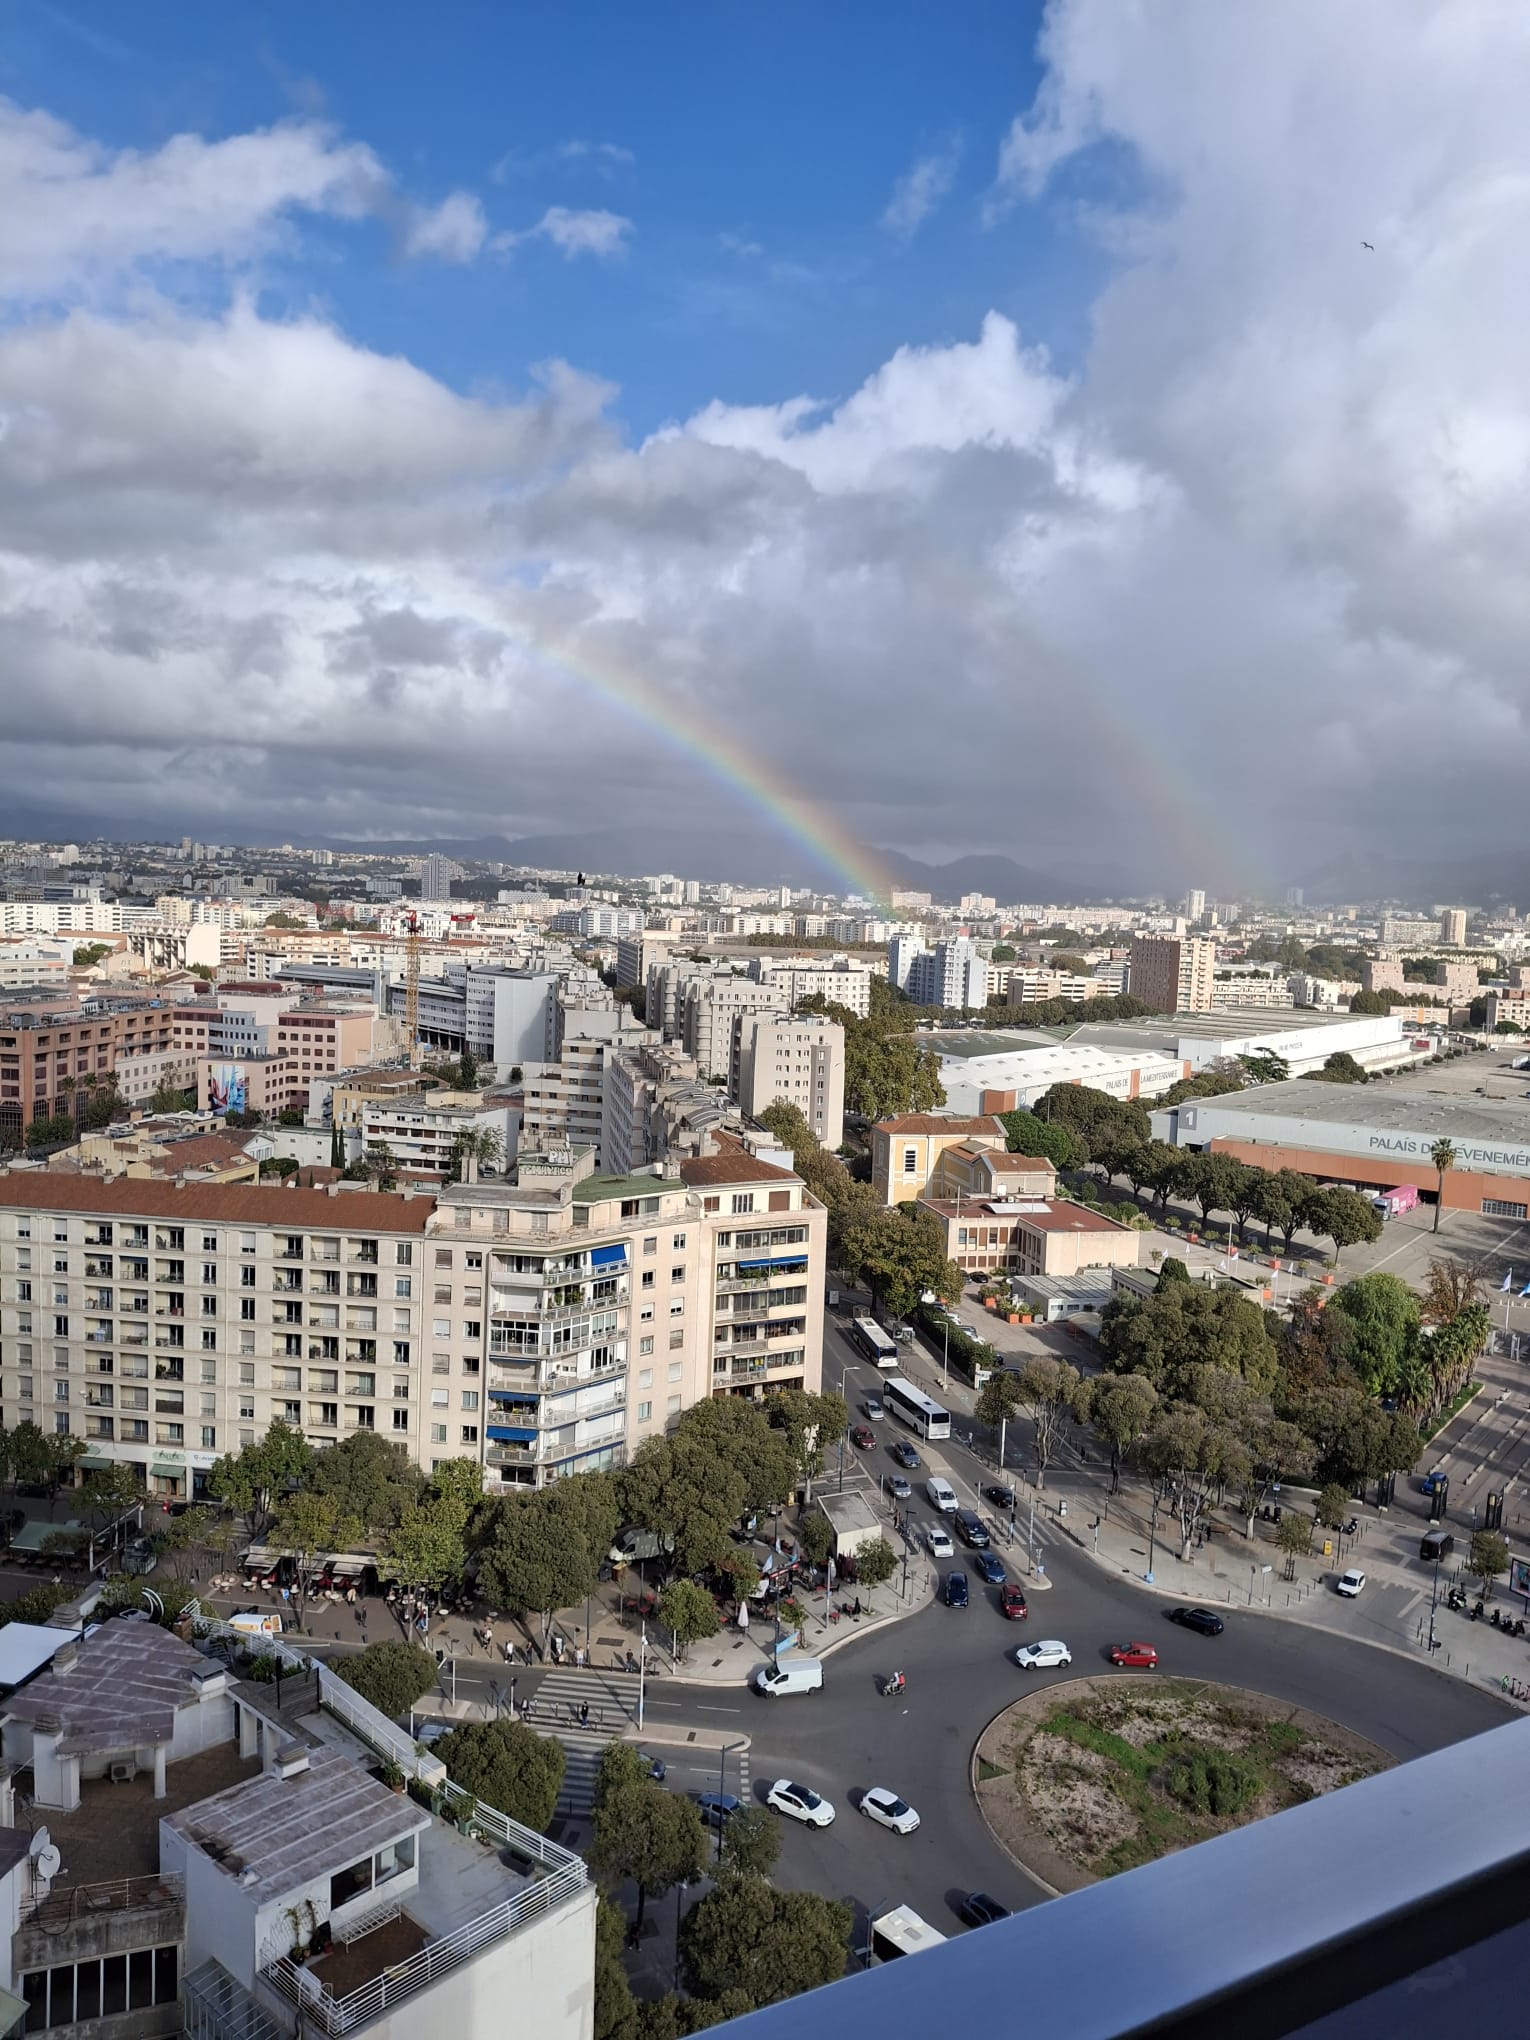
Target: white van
[940, 1494]
[796, 1675]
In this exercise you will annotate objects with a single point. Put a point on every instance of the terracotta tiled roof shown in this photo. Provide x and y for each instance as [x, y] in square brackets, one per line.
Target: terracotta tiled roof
[218, 1203]
[936, 1122]
[710, 1171]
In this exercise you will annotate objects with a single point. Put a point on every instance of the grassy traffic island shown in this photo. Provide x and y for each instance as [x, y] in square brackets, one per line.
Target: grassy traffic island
[1084, 1780]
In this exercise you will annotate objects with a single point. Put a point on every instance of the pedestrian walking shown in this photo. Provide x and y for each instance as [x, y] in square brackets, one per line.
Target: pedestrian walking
[584, 1714]
[509, 1650]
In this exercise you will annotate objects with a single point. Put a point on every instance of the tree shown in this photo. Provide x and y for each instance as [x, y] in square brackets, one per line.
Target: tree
[1210, 1182]
[483, 1146]
[255, 1479]
[789, 1125]
[427, 1547]
[1280, 1202]
[1339, 1068]
[650, 1835]
[742, 1436]
[290, 1117]
[1095, 1116]
[282, 920]
[1048, 1391]
[1244, 1185]
[379, 1164]
[1293, 1534]
[1172, 1271]
[180, 1540]
[875, 1564]
[1025, 1134]
[1443, 1156]
[1278, 1451]
[1449, 1290]
[87, 954]
[1121, 1409]
[391, 1675]
[688, 1612]
[1489, 1556]
[1190, 1458]
[815, 1537]
[509, 1767]
[616, 2014]
[1181, 1326]
[107, 1493]
[677, 1486]
[532, 1557]
[1265, 1067]
[1384, 1313]
[336, 1148]
[168, 1097]
[749, 1937]
[370, 1478]
[1343, 1216]
[312, 1527]
[1331, 1508]
[811, 1423]
[901, 1253]
[751, 1843]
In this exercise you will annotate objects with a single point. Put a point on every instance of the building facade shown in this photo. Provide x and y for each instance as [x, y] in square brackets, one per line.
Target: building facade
[906, 1151]
[1173, 973]
[801, 1060]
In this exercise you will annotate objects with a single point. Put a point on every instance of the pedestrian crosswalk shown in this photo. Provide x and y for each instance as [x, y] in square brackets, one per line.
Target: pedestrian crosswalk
[585, 1709]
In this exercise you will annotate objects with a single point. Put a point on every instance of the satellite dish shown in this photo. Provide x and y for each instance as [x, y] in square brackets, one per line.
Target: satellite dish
[48, 1862]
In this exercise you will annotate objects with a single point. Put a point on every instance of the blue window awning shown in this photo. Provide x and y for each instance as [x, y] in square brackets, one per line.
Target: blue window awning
[603, 1257]
[515, 1398]
[507, 1434]
[778, 1261]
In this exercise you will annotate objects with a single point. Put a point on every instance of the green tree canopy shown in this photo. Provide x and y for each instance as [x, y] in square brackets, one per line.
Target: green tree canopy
[255, 1479]
[1343, 1216]
[391, 1675]
[743, 1436]
[1184, 1325]
[678, 1486]
[1281, 1197]
[508, 1766]
[689, 1612]
[313, 1526]
[1095, 1116]
[1489, 1556]
[901, 1253]
[647, 1834]
[1025, 1134]
[812, 1425]
[1340, 1068]
[751, 1843]
[1384, 1314]
[534, 1555]
[370, 1478]
[767, 1944]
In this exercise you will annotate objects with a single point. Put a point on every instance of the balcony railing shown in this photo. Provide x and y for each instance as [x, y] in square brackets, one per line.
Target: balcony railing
[77, 1902]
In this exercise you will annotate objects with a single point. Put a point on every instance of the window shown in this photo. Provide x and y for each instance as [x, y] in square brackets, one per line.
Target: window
[645, 1314]
[246, 1376]
[443, 1257]
[441, 1328]
[438, 1434]
[209, 1438]
[210, 1341]
[470, 1434]
[677, 1370]
[677, 1306]
[247, 1243]
[645, 1379]
[470, 1398]
[678, 1243]
[61, 1391]
[401, 1420]
[711, 1204]
[440, 1398]
[401, 1352]
[672, 1405]
[61, 1423]
[676, 1341]
[1497, 1207]
[209, 1272]
[401, 1285]
[61, 1328]
[209, 1243]
[645, 1411]
[743, 1200]
[910, 1161]
[648, 1278]
[403, 1254]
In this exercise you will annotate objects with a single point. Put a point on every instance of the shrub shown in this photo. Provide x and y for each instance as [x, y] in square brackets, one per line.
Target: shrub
[1211, 1781]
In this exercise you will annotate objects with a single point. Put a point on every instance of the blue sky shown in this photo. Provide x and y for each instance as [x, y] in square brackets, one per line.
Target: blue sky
[754, 149]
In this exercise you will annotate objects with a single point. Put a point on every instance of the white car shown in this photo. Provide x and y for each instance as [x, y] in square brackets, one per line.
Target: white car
[1034, 1657]
[872, 1409]
[801, 1802]
[1350, 1583]
[939, 1541]
[888, 1810]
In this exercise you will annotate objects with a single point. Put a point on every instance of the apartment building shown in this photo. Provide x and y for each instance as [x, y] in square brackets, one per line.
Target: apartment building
[54, 1048]
[1028, 985]
[423, 1128]
[1173, 973]
[801, 1060]
[655, 1107]
[565, 1100]
[167, 1323]
[834, 978]
[1511, 1003]
[35, 962]
[511, 1015]
[711, 1005]
[638, 952]
[953, 973]
[1453, 928]
[1250, 988]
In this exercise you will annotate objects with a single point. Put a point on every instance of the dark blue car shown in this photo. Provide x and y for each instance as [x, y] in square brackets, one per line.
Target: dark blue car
[992, 1568]
[956, 1590]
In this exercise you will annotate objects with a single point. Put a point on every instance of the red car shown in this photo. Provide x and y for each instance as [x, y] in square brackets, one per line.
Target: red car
[1142, 1655]
[1012, 1601]
[864, 1437]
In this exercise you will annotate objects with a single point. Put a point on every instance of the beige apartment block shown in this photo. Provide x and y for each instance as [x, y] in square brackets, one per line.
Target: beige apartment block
[800, 1060]
[709, 1008]
[543, 1326]
[1173, 973]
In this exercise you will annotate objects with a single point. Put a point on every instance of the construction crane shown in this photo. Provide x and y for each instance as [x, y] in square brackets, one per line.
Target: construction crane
[412, 990]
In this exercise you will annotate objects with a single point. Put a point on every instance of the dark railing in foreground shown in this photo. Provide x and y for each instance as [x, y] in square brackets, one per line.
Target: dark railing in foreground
[1386, 1909]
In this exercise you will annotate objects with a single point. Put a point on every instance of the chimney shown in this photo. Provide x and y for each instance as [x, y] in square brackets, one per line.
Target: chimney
[290, 1761]
[66, 1657]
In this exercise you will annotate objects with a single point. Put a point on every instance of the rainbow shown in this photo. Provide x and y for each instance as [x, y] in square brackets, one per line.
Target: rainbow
[805, 821]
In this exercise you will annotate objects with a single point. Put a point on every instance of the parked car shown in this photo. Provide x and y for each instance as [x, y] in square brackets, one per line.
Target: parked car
[971, 1529]
[1205, 1621]
[863, 1436]
[956, 1590]
[1012, 1601]
[717, 1808]
[898, 1487]
[1038, 1657]
[1350, 1583]
[977, 1909]
[800, 1802]
[938, 1539]
[1001, 1497]
[905, 1454]
[1142, 1656]
[991, 1567]
[880, 1804]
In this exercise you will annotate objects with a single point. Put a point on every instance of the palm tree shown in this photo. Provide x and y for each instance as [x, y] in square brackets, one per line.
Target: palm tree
[1443, 1155]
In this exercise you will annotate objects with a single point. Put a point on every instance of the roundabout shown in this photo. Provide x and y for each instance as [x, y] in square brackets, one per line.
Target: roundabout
[1098, 1775]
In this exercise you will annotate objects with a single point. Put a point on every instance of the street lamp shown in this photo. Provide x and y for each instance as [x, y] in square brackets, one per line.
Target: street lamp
[1152, 1537]
[1434, 1602]
[722, 1786]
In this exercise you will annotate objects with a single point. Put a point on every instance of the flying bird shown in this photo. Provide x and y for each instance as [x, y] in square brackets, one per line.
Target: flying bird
[1368, 244]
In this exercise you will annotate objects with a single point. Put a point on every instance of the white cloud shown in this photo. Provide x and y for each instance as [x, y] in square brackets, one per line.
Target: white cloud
[597, 232]
[919, 191]
[610, 154]
[453, 231]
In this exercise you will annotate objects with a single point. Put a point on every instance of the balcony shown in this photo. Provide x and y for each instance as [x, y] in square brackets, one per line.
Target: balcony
[512, 1455]
[363, 1256]
[98, 1270]
[327, 1251]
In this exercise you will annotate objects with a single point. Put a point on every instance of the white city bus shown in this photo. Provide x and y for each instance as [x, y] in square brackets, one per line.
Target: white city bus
[900, 1931]
[874, 1343]
[920, 1412]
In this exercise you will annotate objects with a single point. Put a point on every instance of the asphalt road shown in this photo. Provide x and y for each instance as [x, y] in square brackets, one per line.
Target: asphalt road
[961, 1673]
